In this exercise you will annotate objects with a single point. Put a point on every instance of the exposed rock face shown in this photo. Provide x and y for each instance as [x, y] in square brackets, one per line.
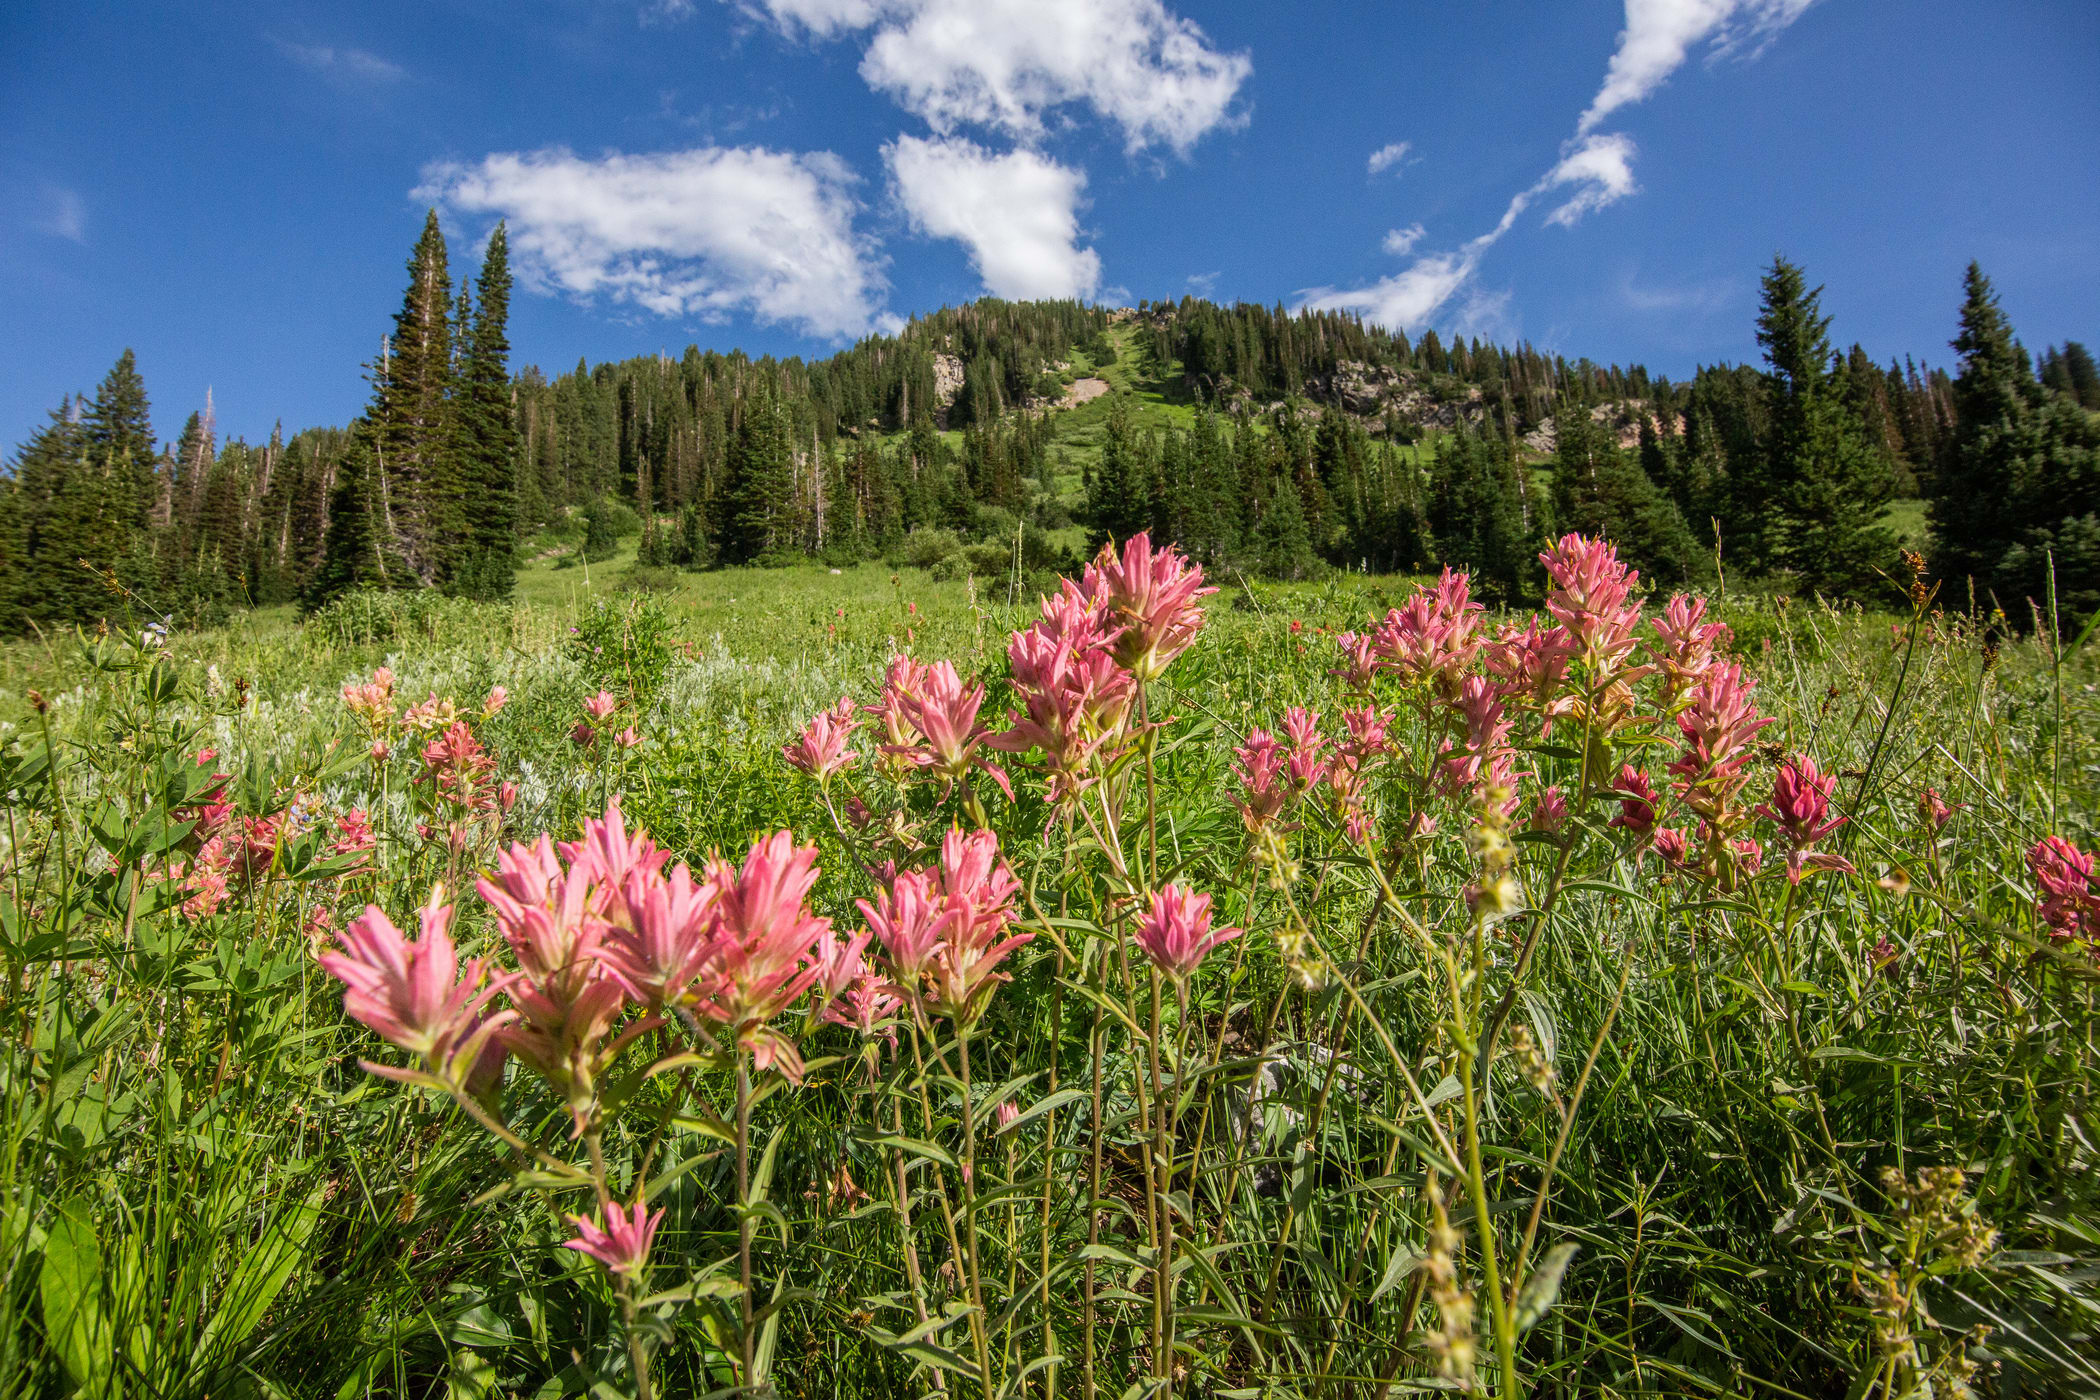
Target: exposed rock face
[1369, 391]
[1082, 390]
[947, 379]
[1625, 419]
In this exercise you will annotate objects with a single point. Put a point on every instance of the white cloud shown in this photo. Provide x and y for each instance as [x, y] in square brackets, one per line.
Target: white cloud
[1202, 284]
[703, 232]
[63, 214]
[1401, 241]
[1005, 65]
[358, 65]
[1388, 157]
[1659, 34]
[1601, 169]
[1407, 298]
[1018, 213]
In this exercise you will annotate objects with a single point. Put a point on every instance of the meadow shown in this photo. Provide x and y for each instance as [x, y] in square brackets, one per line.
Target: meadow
[1294, 990]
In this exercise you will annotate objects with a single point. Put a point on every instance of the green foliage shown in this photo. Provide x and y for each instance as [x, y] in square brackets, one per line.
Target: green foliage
[209, 1195]
[2019, 488]
[626, 647]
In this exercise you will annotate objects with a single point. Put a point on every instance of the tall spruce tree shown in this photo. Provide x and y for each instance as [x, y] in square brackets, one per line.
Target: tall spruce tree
[488, 436]
[1599, 490]
[119, 433]
[1476, 514]
[415, 445]
[761, 481]
[2018, 495]
[1829, 480]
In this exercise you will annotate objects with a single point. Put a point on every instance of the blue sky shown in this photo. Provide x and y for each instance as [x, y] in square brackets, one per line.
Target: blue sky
[232, 189]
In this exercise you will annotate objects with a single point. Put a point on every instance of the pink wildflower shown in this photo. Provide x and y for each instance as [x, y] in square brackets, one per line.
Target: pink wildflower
[1176, 932]
[1720, 725]
[1530, 661]
[599, 708]
[498, 697]
[943, 711]
[765, 948]
[415, 994]
[1674, 845]
[1800, 807]
[623, 1244]
[822, 751]
[1076, 695]
[1550, 812]
[979, 889]
[1934, 809]
[660, 934]
[910, 919]
[1433, 637]
[1588, 596]
[2069, 901]
[206, 879]
[628, 738]
[1685, 645]
[1004, 1115]
[865, 1004]
[1637, 799]
[353, 834]
[1305, 762]
[1359, 661]
[1154, 595]
[1258, 763]
[372, 701]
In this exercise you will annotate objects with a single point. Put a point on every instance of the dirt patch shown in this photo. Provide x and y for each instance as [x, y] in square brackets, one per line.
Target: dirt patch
[1084, 390]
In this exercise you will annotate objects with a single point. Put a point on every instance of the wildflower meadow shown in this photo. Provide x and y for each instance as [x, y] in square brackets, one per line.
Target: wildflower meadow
[1169, 986]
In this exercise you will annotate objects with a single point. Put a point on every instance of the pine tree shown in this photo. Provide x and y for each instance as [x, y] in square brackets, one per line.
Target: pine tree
[1119, 494]
[2018, 497]
[119, 434]
[1599, 490]
[761, 481]
[415, 448]
[488, 433]
[1828, 480]
[355, 552]
[1476, 514]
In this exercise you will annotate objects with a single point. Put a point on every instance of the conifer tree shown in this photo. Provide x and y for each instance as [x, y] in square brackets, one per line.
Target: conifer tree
[1828, 480]
[1599, 490]
[761, 481]
[119, 435]
[1476, 514]
[488, 432]
[415, 445]
[2019, 489]
[1119, 495]
[354, 552]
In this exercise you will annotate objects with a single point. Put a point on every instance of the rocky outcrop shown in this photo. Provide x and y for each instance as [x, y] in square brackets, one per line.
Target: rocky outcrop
[947, 379]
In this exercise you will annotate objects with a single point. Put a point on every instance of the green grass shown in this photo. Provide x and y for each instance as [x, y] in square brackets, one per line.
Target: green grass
[182, 1097]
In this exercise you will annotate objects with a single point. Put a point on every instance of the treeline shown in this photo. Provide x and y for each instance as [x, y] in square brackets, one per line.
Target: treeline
[1318, 442]
[1783, 470]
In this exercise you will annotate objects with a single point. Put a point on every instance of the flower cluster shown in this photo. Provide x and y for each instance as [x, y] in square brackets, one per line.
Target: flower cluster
[943, 931]
[2068, 894]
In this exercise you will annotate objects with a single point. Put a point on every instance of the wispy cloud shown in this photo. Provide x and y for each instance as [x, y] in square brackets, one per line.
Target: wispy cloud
[343, 64]
[1601, 170]
[1017, 214]
[1660, 34]
[1390, 157]
[1401, 241]
[1202, 284]
[703, 233]
[1701, 298]
[1596, 166]
[1006, 65]
[60, 212]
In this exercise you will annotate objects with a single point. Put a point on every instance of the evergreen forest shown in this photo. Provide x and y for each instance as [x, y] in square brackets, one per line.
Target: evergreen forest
[1282, 444]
